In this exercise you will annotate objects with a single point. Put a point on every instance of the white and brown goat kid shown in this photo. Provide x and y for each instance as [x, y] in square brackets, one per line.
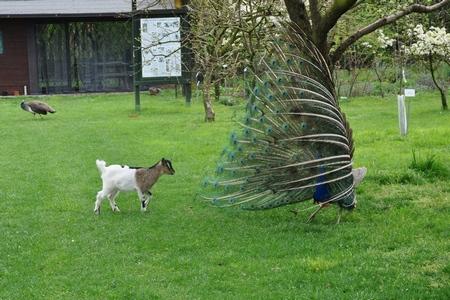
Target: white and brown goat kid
[118, 178]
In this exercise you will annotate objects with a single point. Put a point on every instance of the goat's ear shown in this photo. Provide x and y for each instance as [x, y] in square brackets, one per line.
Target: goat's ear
[163, 160]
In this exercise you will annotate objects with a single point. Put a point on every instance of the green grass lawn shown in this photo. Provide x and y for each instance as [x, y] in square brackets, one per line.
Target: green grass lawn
[395, 245]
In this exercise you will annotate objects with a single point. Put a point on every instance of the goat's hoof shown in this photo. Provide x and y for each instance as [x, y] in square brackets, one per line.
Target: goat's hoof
[116, 209]
[97, 211]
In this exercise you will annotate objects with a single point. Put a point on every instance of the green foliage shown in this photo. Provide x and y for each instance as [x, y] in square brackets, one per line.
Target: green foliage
[393, 246]
[430, 166]
[228, 101]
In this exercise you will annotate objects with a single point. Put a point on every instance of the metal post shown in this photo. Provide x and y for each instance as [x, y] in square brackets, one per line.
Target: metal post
[68, 57]
[137, 95]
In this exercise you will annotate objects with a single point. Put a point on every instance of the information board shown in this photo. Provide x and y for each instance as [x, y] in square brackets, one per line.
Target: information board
[161, 47]
[410, 92]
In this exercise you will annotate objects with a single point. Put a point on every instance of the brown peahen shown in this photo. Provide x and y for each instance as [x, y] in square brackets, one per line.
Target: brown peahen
[37, 107]
[295, 143]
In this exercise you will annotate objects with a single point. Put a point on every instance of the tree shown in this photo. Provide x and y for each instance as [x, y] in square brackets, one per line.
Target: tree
[213, 39]
[227, 33]
[317, 18]
[384, 58]
[432, 46]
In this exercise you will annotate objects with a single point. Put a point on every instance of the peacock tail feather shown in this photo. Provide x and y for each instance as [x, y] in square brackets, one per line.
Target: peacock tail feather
[295, 143]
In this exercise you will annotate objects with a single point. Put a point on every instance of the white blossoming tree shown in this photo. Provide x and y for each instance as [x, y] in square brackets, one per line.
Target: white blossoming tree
[433, 47]
[384, 47]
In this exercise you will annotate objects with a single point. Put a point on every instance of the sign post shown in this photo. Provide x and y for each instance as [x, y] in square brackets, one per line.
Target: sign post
[160, 54]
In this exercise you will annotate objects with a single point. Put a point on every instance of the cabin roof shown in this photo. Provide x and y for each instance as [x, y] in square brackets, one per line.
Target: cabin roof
[73, 8]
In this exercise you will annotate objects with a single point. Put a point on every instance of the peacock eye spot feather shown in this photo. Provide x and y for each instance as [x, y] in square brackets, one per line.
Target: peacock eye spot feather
[233, 139]
[219, 169]
[270, 97]
[303, 125]
[205, 182]
[269, 130]
[285, 94]
[224, 151]
[262, 119]
[231, 155]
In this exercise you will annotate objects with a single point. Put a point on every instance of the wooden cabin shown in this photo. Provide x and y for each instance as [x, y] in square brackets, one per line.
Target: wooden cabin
[65, 46]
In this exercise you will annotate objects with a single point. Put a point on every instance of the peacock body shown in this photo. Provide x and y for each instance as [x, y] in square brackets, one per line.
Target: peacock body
[295, 143]
[37, 107]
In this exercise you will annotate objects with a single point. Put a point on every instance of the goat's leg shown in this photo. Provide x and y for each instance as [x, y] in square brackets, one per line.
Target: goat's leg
[147, 199]
[112, 196]
[98, 202]
[144, 198]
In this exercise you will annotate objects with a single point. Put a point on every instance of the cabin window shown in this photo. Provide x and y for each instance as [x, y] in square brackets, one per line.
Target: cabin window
[1, 42]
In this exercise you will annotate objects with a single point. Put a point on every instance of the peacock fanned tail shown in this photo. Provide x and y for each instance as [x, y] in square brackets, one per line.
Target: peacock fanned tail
[295, 143]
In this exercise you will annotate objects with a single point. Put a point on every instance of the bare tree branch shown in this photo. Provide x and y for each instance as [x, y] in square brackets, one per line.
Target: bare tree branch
[333, 14]
[415, 8]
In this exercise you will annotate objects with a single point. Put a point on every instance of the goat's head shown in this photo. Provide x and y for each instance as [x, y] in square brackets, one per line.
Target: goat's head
[167, 166]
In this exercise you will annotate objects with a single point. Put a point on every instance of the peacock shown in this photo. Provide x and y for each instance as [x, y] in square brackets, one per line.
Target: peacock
[295, 143]
[37, 107]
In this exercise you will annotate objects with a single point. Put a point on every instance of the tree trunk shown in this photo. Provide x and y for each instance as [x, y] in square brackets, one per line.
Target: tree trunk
[209, 111]
[379, 76]
[441, 90]
[217, 91]
[354, 73]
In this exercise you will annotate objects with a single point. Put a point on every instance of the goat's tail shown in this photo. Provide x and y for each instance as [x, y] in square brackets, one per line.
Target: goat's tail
[101, 165]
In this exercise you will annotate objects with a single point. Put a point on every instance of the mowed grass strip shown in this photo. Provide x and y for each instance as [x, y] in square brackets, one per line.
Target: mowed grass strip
[395, 245]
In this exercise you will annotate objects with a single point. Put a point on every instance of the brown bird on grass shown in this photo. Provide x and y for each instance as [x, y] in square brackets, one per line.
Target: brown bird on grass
[154, 91]
[37, 107]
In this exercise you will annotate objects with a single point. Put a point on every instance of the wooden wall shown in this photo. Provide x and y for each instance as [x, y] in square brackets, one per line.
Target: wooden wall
[14, 60]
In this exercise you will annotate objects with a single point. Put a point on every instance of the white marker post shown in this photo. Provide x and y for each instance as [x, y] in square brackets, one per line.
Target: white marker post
[402, 116]
[403, 110]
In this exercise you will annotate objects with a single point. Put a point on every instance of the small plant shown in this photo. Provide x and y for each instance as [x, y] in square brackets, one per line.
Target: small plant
[228, 101]
[429, 167]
